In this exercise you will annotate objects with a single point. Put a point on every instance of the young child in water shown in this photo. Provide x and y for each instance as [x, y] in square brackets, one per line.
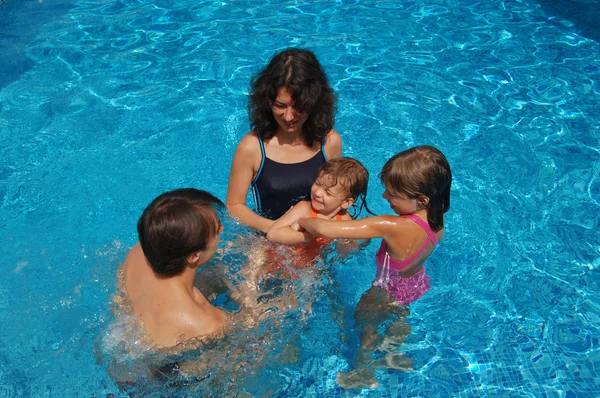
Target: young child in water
[417, 186]
[340, 183]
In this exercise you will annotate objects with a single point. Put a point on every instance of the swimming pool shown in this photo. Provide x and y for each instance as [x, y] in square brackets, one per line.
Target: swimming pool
[106, 104]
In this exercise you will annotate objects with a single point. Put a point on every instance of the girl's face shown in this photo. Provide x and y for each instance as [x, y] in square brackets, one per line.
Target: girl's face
[401, 204]
[329, 199]
[288, 118]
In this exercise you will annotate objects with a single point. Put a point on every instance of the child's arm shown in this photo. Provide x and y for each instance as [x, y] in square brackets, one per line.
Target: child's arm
[346, 246]
[282, 232]
[365, 228]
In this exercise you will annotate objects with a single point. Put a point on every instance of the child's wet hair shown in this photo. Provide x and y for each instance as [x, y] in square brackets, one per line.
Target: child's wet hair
[421, 171]
[176, 224]
[351, 175]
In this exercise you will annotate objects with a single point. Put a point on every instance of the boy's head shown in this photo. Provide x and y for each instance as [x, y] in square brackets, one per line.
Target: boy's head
[176, 225]
[344, 178]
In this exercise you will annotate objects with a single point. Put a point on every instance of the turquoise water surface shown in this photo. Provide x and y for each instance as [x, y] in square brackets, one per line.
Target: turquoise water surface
[105, 104]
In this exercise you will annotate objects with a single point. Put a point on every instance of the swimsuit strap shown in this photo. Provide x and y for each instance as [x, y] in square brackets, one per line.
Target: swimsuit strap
[263, 155]
[313, 212]
[279, 186]
[384, 276]
[431, 236]
[255, 192]
[338, 217]
[384, 270]
[262, 158]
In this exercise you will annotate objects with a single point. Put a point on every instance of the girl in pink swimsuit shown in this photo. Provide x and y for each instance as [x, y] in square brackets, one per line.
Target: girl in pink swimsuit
[417, 183]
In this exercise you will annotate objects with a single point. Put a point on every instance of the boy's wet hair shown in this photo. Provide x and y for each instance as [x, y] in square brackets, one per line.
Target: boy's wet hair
[421, 171]
[351, 175]
[176, 224]
[299, 70]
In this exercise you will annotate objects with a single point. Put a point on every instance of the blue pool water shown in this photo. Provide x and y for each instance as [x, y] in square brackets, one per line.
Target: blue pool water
[106, 104]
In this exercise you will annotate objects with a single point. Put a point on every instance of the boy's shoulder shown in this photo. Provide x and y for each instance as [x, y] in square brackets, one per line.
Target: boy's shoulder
[204, 319]
[192, 317]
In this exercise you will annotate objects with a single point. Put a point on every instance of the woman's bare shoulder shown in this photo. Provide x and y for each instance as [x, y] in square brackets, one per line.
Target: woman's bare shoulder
[333, 135]
[333, 138]
[333, 144]
[249, 143]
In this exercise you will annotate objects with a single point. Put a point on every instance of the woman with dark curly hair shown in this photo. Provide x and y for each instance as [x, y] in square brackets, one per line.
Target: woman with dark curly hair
[292, 111]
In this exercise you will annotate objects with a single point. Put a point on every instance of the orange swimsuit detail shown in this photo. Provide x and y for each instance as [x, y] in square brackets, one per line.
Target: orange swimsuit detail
[278, 260]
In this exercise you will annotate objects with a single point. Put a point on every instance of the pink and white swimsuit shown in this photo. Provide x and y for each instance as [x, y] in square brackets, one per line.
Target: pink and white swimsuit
[404, 290]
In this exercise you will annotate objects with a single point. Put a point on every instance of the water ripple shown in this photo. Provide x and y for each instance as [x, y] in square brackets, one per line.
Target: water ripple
[105, 102]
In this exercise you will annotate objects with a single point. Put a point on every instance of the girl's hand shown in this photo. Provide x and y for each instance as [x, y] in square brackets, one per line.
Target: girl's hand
[286, 229]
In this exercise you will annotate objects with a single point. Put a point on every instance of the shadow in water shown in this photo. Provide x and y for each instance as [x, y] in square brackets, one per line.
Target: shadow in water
[585, 14]
[20, 22]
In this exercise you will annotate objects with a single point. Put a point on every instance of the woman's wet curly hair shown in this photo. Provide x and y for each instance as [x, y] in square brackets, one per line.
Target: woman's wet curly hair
[298, 70]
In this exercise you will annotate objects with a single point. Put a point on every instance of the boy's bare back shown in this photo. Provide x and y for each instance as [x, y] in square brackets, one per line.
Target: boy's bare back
[170, 311]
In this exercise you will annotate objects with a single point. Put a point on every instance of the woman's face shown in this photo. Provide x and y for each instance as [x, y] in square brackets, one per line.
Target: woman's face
[288, 118]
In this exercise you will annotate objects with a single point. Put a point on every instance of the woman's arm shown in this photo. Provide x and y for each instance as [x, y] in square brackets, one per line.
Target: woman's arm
[242, 172]
[365, 228]
[282, 232]
[333, 145]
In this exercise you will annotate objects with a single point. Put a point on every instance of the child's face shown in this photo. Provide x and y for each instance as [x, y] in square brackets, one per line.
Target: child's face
[399, 203]
[327, 197]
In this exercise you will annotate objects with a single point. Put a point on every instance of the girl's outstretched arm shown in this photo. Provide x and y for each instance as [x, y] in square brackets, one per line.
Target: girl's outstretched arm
[365, 228]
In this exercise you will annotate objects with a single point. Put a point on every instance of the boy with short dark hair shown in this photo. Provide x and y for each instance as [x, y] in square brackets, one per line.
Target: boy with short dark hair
[179, 232]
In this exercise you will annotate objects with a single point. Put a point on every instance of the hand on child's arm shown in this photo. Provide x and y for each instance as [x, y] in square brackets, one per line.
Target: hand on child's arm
[286, 230]
[296, 227]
